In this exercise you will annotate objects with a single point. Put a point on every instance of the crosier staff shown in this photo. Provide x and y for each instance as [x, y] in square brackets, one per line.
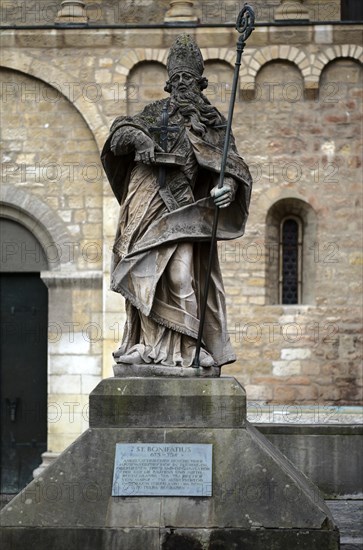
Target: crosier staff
[245, 26]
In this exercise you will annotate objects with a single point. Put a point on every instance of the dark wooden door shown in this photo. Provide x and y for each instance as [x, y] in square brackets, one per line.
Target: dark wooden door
[23, 377]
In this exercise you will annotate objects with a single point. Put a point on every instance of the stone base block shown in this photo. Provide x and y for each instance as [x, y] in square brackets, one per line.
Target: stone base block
[144, 538]
[259, 499]
[122, 370]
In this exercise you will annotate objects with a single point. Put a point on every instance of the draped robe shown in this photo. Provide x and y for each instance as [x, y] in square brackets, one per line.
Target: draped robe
[153, 230]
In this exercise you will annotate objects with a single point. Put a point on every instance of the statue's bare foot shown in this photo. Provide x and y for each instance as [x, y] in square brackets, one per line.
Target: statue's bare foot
[133, 357]
[205, 359]
[129, 358]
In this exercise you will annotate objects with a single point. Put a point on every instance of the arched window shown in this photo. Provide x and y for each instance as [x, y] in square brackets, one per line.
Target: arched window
[290, 269]
[290, 261]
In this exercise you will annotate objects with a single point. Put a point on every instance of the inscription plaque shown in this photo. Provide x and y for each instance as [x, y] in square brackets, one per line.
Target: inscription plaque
[162, 469]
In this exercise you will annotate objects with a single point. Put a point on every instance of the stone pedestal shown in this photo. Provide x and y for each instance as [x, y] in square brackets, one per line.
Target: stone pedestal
[259, 500]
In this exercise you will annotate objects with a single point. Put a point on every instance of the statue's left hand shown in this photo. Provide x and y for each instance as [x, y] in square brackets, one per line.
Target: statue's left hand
[223, 196]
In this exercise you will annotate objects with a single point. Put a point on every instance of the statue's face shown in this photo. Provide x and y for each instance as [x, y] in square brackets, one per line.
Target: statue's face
[183, 81]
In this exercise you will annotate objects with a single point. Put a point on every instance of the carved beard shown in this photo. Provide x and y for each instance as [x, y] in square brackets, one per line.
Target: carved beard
[194, 108]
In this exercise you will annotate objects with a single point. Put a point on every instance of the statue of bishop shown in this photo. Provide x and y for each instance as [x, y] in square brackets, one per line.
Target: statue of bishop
[163, 165]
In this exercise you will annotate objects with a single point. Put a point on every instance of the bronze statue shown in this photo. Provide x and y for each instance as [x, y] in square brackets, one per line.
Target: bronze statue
[163, 165]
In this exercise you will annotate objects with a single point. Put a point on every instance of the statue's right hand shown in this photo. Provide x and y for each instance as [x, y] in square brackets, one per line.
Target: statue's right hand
[144, 149]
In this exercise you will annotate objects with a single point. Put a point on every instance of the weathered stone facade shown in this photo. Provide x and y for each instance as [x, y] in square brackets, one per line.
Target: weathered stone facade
[297, 123]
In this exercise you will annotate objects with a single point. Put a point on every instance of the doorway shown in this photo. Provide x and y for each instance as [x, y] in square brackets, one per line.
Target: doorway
[23, 357]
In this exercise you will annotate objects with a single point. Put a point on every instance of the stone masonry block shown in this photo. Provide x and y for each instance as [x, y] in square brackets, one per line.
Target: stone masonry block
[295, 353]
[286, 368]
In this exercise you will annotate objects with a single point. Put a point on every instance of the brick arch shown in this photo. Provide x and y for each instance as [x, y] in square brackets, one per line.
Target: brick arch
[23, 63]
[141, 62]
[266, 200]
[321, 60]
[139, 55]
[41, 220]
[219, 54]
[216, 60]
[253, 62]
[334, 52]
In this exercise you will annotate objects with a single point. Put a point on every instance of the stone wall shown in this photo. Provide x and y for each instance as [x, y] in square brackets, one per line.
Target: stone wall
[51, 173]
[297, 122]
[129, 12]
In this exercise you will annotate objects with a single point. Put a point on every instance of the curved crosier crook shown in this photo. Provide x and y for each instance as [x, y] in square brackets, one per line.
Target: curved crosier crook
[245, 22]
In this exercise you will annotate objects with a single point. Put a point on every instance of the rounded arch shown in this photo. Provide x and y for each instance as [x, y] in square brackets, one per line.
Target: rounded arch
[354, 62]
[340, 50]
[38, 218]
[274, 195]
[132, 58]
[24, 63]
[254, 62]
[209, 63]
[227, 55]
[149, 62]
[291, 206]
[218, 60]
[323, 58]
[279, 210]
[287, 78]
